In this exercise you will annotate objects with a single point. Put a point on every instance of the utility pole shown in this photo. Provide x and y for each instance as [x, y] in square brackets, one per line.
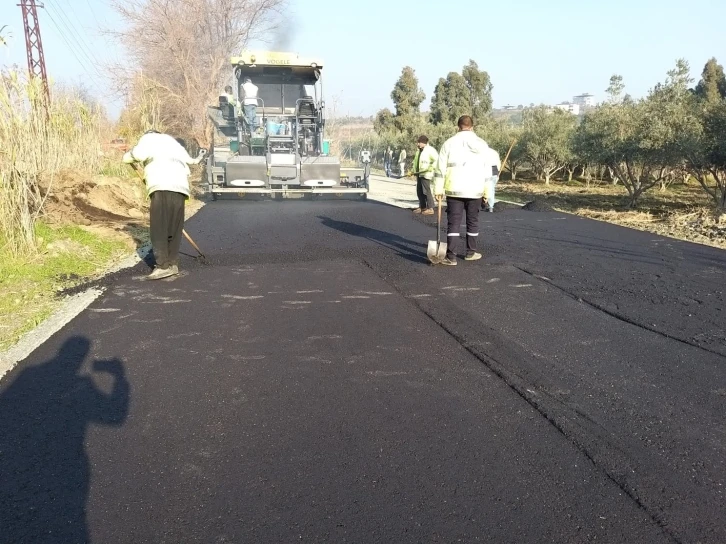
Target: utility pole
[34, 45]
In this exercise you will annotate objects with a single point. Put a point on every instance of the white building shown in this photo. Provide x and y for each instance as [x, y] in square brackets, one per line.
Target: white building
[584, 100]
[571, 108]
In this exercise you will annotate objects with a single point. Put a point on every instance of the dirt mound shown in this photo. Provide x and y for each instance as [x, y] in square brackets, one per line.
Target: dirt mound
[538, 205]
[78, 198]
[502, 206]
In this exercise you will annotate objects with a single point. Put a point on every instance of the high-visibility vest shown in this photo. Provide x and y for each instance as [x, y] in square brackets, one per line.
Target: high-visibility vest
[424, 163]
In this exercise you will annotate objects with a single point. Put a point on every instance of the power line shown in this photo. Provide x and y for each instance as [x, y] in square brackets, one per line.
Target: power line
[93, 12]
[72, 49]
[79, 34]
[72, 31]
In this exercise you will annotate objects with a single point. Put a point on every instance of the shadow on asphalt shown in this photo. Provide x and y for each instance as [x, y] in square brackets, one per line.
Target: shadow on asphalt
[45, 412]
[407, 249]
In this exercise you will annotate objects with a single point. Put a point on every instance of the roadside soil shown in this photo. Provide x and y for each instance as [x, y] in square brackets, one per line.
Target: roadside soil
[114, 210]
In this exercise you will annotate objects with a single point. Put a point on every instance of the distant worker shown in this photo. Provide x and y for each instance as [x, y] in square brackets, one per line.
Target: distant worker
[230, 96]
[492, 179]
[424, 164]
[388, 161]
[166, 173]
[365, 159]
[461, 175]
[250, 101]
[402, 162]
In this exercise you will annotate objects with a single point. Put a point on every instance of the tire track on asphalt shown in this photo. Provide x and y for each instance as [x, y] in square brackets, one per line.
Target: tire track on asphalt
[596, 443]
[618, 316]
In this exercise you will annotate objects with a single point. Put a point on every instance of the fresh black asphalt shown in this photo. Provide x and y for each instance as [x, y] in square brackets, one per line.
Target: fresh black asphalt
[318, 381]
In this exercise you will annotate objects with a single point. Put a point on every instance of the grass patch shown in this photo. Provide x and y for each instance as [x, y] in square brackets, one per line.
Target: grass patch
[28, 286]
[116, 169]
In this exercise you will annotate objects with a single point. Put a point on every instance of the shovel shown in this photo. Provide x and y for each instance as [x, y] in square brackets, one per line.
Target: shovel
[436, 251]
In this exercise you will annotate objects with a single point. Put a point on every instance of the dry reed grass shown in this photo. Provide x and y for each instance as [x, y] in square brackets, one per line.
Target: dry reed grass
[34, 147]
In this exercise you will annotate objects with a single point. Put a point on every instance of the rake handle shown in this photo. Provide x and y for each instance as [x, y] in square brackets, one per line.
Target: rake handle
[189, 239]
[504, 163]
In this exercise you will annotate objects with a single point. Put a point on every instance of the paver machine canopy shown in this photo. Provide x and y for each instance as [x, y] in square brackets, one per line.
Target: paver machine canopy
[278, 146]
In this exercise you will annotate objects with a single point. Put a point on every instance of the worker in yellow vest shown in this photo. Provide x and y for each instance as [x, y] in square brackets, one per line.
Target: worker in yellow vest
[424, 164]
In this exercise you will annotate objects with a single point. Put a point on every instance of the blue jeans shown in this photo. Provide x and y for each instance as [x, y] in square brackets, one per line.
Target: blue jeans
[251, 114]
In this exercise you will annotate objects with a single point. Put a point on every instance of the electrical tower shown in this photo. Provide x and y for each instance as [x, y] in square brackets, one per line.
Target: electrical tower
[34, 45]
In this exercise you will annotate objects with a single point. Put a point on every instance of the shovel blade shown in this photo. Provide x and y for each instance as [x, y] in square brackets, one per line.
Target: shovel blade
[436, 251]
[443, 246]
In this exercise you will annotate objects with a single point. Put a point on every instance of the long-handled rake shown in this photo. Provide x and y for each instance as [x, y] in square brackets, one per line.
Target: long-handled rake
[201, 257]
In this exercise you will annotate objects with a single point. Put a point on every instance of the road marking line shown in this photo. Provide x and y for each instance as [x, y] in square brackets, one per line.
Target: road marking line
[236, 297]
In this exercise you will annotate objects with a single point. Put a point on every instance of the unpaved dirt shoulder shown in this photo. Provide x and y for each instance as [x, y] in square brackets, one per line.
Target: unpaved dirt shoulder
[72, 305]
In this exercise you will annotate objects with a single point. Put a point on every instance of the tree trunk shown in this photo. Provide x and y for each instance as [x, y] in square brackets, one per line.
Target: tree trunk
[613, 176]
[547, 177]
[570, 173]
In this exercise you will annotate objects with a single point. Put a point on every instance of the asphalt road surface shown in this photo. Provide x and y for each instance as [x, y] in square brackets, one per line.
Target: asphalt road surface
[317, 381]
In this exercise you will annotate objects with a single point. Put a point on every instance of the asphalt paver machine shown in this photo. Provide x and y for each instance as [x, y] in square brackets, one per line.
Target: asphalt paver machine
[282, 151]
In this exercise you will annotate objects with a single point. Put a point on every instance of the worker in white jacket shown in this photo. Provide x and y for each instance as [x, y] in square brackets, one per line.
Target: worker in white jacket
[166, 172]
[495, 165]
[461, 175]
[424, 164]
[249, 101]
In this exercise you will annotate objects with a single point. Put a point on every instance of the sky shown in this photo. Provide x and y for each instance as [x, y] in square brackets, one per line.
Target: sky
[534, 51]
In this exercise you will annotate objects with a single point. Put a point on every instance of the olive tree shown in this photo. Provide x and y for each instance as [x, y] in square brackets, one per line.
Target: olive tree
[704, 148]
[547, 140]
[639, 141]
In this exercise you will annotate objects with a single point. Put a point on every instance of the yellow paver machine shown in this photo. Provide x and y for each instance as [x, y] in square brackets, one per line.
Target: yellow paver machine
[269, 137]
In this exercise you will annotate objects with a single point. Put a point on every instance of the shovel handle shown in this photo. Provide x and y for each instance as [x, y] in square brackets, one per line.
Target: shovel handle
[438, 222]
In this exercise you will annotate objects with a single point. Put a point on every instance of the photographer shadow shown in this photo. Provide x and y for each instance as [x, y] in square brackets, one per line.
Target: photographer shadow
[45, 412]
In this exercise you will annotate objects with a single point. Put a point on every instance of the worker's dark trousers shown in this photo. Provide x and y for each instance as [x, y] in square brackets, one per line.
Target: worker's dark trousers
[423, 190]
[455, 209]
[167, 222]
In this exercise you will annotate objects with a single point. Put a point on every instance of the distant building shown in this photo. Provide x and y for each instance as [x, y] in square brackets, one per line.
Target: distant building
[510, 107]
[571, 108]
[584, 100]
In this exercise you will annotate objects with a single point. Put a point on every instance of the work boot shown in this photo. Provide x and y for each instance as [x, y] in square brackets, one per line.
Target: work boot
[417, 210]
[475, 256]
[427, 211]
[161, 273]
[448, 261]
